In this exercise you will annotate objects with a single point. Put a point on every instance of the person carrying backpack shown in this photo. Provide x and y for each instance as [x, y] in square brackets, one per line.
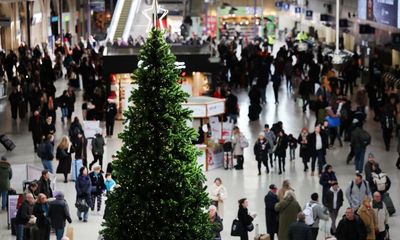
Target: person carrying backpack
[357, 191]
[313, 212]
[360, 139]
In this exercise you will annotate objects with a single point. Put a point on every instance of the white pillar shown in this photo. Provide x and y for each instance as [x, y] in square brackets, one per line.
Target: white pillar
[337, 25]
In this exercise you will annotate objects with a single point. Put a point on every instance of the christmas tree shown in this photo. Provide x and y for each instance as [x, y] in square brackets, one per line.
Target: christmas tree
[162, 193]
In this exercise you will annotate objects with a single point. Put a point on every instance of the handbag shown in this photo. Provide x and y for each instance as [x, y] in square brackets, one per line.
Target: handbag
[81, 205]
[250, 227]
[236, 229]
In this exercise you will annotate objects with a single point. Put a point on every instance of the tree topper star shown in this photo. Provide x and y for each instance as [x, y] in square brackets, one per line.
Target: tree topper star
[154, 9]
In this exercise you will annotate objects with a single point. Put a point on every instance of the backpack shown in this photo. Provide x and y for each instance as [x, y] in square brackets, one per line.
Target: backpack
[244, 143]
[380, 181]
[365, 138]
[309, 214]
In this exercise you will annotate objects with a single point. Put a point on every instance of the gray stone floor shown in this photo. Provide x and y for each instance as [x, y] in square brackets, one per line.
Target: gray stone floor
[239, 184]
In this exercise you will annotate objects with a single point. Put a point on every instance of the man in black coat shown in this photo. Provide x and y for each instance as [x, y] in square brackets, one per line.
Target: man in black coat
[271, 216]
[111, 113]
[24, 214]
[58, 213]
[299, 230]
[351, 227]
[44, 184]
[35, 126]
[317, 145]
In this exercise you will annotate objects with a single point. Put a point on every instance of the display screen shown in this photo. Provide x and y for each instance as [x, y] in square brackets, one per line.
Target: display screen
[380, 11]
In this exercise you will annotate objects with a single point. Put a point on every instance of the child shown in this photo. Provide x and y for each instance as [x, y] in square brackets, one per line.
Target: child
[292, 146]
[109, 182]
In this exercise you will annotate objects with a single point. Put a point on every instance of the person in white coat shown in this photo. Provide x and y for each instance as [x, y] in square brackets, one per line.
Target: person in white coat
[218, 194]
[381, 216]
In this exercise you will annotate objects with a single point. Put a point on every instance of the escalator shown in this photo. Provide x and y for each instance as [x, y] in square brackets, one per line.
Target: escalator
[123, 18]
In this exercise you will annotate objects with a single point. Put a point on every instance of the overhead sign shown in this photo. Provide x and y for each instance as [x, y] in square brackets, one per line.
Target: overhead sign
[97, 6]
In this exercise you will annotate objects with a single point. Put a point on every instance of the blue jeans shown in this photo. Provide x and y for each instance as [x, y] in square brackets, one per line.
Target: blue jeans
[263, 91]
[59, 233]
[359, 154]
[20, 232]
[4, 199]
[85, 214]
[48, 165]
[64, 112]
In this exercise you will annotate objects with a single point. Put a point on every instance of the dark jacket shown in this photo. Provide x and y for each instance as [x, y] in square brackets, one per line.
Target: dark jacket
[24, 213]
[83, 187]
[244, 218]
[261, 151]
[271, 216]
[299, 231]
[330, 198]
[357, 138]
[45, 187]
[281, 145]
[80, 145]
[35, 126]
[304, 153]
[324, 181]
[41, 212]
[231, 104]
[5, 175]
[217, 227]
[64, 158]
[97, 181]
[351, 230]
[312, 142]
[48, 129]
[98, 145]
[111, 111]
[46, 151]
[59, 212]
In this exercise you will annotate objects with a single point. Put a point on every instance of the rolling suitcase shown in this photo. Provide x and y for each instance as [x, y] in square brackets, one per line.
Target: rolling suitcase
[75, 167]
[7, 143]
[389, 203]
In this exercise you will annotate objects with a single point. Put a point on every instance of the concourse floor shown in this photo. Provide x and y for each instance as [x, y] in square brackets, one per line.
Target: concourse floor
[239, 184]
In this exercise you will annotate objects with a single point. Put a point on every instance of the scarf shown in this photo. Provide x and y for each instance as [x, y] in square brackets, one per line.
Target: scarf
[378, 205]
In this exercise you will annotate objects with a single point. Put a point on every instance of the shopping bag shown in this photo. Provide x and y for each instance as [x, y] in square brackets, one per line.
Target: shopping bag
[70, 232]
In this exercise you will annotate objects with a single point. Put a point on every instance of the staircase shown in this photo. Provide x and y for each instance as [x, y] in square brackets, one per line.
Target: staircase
[123, 17]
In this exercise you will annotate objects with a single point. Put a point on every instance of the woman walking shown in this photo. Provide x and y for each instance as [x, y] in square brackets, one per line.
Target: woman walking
[245, 218]
[63, 155]
[261, 148]
[302, 140]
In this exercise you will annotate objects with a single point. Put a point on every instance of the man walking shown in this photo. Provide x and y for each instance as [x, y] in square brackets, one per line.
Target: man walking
[299, 230]
[313, 212]
[381, 216]
[357, 191]
[58, 213]
[317, 143]
[351, 227]
[5, 177]
[271, 216]
[360, 139]
[111, 112]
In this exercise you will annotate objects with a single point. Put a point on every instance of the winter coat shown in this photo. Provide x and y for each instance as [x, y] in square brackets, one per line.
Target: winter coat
[217, 227]
[281, 146]
[271, 216]
[80, 146]
[98, 145]
[356, 138]
[261, 151]
[48, 129]
[299, 231]
[46, 151]
[381, 215]
[59, 212]
[41, 212]
[5, 175]
[111, 112]
[64, 158]
[237, 149]
[244, 218]
[231, 104]
[351, 230]
[83, 187]
[45, 187]
[271, 138]
[288, 209]
[24, 213]
[324, 181]
[303, 147]
[355, 194]
[367, 216]
[220, 191]
[312, 143]
[330, 198]
[98, 186]
[318, 213]
[35, 126]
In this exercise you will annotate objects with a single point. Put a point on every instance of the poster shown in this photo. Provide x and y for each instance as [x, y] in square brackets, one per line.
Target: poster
[12, 207]
[216, 128]
[90, 128]
[384, 11]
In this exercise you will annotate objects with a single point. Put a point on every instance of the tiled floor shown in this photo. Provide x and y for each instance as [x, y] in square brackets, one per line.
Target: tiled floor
[239, 184]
